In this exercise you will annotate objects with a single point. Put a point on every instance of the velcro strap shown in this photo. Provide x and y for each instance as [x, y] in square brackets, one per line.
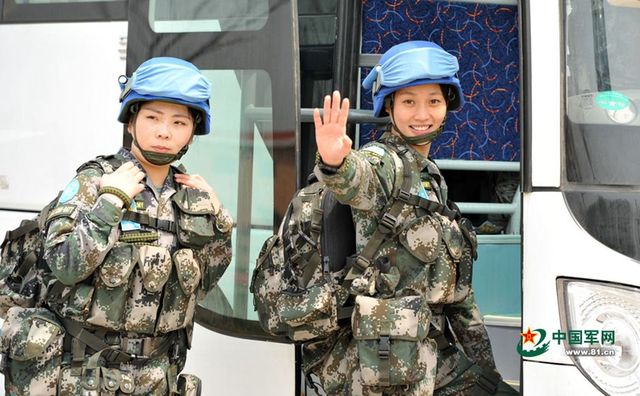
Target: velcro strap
[486, 383]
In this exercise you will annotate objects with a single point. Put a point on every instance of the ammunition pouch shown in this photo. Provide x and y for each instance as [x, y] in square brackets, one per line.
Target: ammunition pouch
[31, 346]
[311, 313]
[391, 337]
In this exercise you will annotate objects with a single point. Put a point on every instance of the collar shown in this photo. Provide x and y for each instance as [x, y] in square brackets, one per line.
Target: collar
[422, 162]
[169, 183]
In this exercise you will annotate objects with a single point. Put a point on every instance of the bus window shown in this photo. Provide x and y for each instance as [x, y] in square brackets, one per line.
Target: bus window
[42, 11]
[250, 156]
[218, 157]
[602, 123]
[166, 16]
[59, 87]
[57, 1]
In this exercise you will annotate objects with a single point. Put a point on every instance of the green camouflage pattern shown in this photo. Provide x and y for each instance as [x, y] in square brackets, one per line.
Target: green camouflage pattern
[141, 288]
[426, 257]
[127, 379]
[31, 343]
[292, 294]
[309, 314]
[404, 321]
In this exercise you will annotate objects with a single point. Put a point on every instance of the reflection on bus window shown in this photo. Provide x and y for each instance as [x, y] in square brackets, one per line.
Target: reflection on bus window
[60, 1]
[603, 92]
[170, 16]
[240, 137]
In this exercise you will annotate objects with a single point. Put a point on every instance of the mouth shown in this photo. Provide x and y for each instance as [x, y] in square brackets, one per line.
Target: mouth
[421, 129]
[161, 149]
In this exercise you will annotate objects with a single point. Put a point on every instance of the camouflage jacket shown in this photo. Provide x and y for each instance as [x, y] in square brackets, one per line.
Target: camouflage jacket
[128, 276]
[365, 181]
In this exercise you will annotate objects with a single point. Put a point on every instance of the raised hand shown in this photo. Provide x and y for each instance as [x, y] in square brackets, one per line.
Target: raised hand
[126, 178]
[331, 130]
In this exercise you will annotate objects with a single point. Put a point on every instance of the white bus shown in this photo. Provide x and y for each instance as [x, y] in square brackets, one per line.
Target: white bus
[581, 222]
[536, 74]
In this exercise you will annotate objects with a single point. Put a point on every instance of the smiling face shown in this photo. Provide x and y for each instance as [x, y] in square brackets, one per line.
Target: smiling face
[418, 110]
[161, 127]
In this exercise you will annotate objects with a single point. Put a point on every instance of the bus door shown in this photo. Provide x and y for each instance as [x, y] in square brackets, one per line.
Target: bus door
[249, 51]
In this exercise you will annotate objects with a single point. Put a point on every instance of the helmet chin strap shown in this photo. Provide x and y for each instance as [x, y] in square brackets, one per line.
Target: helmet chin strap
[158, 158]
[420, 140]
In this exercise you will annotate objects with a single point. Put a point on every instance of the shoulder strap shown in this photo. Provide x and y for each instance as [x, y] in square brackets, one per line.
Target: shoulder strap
[103, 163]
[388, 221]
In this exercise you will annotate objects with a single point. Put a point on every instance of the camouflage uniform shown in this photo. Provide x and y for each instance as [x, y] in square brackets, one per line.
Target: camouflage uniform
[122, 281]
[422, 257]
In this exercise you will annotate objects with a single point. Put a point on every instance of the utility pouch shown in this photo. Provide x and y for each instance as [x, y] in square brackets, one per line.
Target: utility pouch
[189, 385]
[195, 217]
[391, 337]
[32, 342]
[309, 313]
[94, 381]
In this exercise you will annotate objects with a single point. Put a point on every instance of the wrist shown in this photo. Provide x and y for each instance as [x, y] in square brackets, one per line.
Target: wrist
[327, 168]
[115, 196]
[113, 199]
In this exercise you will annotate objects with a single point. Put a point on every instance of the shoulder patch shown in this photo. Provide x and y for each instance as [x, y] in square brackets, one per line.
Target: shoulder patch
[375, 150]
[61, 211]
[70, 191]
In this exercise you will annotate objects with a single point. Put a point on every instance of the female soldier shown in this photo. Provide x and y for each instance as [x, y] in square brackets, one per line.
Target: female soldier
[413, 291]
[132, 244]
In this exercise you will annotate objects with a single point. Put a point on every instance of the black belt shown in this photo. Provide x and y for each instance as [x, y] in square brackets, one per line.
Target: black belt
[117, 347]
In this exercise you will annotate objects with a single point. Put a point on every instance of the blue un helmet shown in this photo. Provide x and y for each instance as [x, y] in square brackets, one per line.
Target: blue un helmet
[170, 80]
[414, 63]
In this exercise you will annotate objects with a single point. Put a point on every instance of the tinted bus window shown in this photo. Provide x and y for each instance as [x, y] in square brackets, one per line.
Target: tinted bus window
[602, 128]
[166, 16]
[250, 156]
[602, 93]
[217, 157]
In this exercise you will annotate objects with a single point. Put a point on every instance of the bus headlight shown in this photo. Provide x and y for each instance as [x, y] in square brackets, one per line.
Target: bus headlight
[614, 309]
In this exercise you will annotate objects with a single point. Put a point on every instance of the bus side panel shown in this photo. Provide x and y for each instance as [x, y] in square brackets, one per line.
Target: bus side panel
[235, 366]
[59, 104]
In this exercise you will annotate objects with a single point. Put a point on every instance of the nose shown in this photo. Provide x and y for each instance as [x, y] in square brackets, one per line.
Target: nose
[423, 113]
[163, 131]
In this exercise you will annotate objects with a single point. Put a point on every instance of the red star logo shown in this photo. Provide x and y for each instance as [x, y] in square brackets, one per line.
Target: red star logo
[528, 336]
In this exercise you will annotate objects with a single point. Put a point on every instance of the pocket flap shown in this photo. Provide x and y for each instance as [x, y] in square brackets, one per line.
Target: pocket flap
[155, 266]
[317, 302]
[422, 239]
[453, 237]
[194, 201]
[399, 318]
[188, 270]
[30, 333]
[117, 266]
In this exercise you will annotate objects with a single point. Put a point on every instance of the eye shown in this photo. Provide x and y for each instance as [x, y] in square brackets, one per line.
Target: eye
[151, 117]
[435, 101]
[408, 101]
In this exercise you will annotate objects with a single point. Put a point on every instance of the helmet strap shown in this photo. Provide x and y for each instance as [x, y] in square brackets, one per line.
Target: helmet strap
[158, 159]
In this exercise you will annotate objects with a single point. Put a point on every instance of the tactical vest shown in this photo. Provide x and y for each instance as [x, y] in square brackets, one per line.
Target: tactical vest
[139, 287]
